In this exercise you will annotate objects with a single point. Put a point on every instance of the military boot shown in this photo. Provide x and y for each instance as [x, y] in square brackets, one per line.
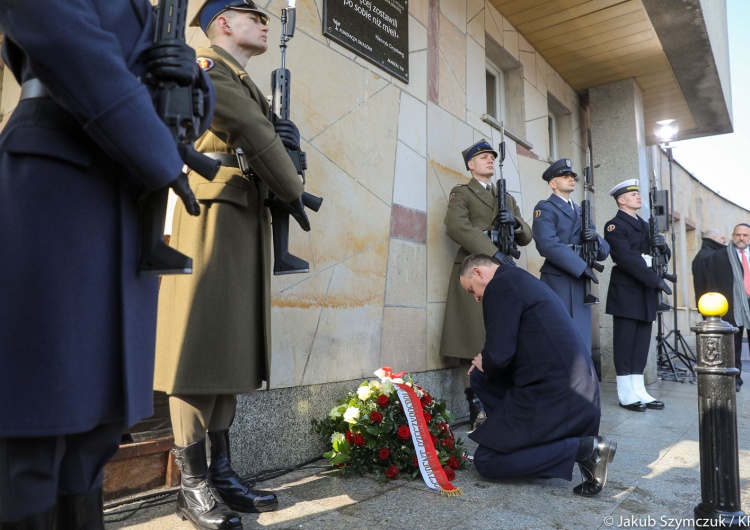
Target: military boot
[476, 410]
[197, 500]
[237, 495]
[82, 511]
[41, 521]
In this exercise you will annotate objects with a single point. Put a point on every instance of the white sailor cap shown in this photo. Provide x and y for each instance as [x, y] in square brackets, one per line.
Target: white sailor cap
[624, 187]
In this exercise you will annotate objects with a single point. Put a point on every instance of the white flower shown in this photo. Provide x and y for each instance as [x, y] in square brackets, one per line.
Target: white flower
[364, 392]
[351, 414]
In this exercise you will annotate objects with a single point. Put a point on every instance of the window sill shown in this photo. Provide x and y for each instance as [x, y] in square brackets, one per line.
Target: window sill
[493, 122]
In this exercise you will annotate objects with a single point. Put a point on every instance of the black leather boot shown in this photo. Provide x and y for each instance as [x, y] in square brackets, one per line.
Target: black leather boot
[594, 467]
[197, 501]
[237, 495]
[41, 521]
[476, 410]
[82, 511]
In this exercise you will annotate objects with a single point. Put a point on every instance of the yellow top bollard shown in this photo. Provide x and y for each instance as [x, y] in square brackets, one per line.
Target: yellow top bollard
[713, 305]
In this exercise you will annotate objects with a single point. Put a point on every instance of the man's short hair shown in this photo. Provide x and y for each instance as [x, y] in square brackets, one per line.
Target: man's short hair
[476, 260]
[740, 224]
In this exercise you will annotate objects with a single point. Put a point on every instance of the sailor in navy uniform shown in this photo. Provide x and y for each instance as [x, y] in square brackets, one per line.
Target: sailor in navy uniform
[632, 296]
[557, 230]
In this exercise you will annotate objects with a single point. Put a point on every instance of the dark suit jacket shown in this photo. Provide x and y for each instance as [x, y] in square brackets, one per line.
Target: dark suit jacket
[700, 266]
[544, 372]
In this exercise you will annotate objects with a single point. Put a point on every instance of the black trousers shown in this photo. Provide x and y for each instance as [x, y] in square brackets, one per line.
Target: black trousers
[553, 459]
[631, 339]
[34, 472]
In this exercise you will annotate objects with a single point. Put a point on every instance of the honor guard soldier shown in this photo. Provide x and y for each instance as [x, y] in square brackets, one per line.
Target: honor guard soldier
[632, 295]
[536, 380]
[213, 336]
[472, 207]
[77, 320]
[557, 233]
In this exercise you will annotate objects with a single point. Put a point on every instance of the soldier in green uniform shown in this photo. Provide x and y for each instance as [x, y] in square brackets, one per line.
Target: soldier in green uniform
[213, 336]
[472, 207]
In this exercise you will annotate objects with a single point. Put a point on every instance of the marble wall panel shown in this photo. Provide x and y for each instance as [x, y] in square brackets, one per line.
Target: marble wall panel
[455, 12]
[363, 142]
[476, 82]
[494, 26]
[447, 136]
[412, 124]
[410, 186]
[348, 335]
[452, 69]
[406, 282]
[418, 9]
[475, 24]
[528, 60]
[404, 344]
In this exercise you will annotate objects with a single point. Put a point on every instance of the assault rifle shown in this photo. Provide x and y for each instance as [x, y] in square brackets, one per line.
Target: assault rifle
[659, 259]
[588, 249]
[181, 109]
[284, 261]
[502, 235]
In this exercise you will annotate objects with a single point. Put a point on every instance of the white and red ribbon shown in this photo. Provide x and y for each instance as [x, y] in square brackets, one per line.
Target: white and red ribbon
[433, 473]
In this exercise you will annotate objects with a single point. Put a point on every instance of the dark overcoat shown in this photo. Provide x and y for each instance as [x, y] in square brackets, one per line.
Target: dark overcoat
[633, 286]
[556, 227]
[214, 325]
[721, 278]
[77, 322]
[471, 210]
[700, 266]
[551, 391]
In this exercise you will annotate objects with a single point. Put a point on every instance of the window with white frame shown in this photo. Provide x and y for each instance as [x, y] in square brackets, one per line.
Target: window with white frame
[495, 84]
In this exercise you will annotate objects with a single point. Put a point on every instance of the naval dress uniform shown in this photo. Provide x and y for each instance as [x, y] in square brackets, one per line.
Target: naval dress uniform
[77, 321]
[557, 228]
[538, 385]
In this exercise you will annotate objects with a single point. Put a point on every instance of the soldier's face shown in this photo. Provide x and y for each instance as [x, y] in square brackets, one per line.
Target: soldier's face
[249, 31]
[565, 183]
[483, 164]
[630, 200]
[741, 237]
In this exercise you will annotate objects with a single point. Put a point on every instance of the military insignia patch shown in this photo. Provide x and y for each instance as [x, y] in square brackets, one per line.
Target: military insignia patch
[537, 213]
[451, 196]
[204, 63]
[610, 227]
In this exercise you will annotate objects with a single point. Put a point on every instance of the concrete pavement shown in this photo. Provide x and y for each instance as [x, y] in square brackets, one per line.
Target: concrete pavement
[654, 482]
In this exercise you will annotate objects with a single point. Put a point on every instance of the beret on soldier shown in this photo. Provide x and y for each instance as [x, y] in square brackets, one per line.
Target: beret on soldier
[624, 187]
[213, 8]
[482, 146]
[561, 167]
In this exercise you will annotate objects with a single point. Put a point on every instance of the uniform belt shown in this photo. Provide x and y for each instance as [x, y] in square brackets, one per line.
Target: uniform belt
[33, 88]
[226, 159]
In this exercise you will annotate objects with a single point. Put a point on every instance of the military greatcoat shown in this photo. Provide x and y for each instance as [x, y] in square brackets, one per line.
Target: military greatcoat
[77, 321]
[471, 210]
[214, 329]
[556, 228]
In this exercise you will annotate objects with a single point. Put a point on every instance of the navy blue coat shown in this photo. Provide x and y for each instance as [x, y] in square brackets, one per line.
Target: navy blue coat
[633, 286]
[555, 227]
[549, 383]
[77, 322]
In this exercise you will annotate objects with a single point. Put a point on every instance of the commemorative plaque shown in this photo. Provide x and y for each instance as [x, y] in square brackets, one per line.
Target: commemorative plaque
[377, 30]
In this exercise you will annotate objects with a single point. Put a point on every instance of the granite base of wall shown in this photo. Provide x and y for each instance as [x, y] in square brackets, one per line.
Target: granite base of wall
[272, 428]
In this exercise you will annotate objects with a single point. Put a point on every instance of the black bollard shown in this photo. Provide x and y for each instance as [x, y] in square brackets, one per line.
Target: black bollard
[717, 412]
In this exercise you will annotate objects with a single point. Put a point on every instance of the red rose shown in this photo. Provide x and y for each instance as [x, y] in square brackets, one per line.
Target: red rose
[403, 432]
[427, 417]
[383, 453]
[392, 472]
[453, 462]
[383, 401]
[348, 436]
[358, 439]
[449, 473]
[443, 427]
[426, 400]
[376, 416]
[448, 443]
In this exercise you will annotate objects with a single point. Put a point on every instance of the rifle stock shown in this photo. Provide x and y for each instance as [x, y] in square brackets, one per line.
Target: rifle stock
[658, 259]
[181, 108]
[284, 261]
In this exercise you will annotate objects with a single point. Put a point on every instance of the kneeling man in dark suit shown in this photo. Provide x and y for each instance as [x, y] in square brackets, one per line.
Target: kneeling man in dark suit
[536, 381]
